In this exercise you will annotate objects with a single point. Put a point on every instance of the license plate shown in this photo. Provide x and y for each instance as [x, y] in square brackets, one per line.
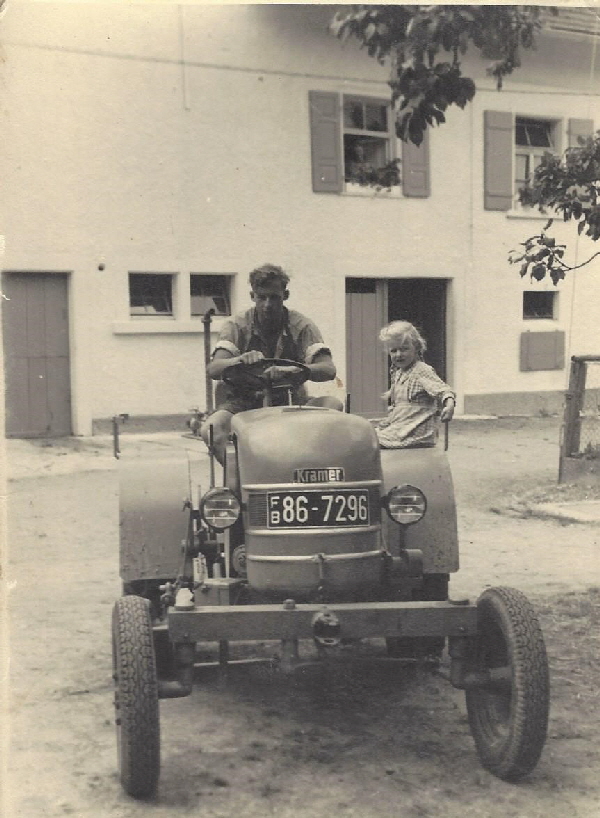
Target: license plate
[317, 509]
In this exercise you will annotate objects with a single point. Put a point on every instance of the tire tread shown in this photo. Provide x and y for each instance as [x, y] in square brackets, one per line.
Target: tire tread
[137, 693]
[518, 755]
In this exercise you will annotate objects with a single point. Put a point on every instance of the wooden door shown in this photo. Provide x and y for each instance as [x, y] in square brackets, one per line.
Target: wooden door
[36, 354]
[366, 365]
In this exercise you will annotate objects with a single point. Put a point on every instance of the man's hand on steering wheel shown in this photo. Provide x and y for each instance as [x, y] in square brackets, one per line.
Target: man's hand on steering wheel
[280, 373]
[251, 357]
[277, 373]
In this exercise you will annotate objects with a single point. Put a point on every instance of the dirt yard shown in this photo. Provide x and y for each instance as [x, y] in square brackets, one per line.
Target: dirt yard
[366, 742]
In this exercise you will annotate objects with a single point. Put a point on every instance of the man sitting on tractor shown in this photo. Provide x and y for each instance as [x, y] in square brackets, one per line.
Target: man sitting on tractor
[266, 330]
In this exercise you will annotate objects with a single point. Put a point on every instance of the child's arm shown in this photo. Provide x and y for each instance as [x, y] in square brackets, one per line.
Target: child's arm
[431, 382]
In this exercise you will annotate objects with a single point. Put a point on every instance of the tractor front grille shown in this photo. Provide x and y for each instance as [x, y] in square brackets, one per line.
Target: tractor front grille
[257, 510]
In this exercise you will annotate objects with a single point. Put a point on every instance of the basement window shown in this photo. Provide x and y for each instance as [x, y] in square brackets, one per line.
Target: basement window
[539, 305]
[208, 291]
[150, 294]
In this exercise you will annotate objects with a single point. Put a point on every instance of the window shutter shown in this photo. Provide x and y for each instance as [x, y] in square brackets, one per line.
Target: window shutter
[325, 142]
[577, 128]
[497, 157]
[415, 168]
[542, 350]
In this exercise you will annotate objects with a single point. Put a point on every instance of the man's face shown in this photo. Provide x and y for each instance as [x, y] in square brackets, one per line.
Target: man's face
[268, 300]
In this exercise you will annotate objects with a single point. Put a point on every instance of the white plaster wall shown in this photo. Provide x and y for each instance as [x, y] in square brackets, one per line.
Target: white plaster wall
[497, 288]
[163, 139]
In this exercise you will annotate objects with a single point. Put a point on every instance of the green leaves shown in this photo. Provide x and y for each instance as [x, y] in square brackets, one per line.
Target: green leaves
[570, 186]
[424, 94]
[423, 45]
[542, 256]
[424, 81]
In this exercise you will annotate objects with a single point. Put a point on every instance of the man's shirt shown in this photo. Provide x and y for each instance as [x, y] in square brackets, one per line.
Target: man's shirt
[299, 340]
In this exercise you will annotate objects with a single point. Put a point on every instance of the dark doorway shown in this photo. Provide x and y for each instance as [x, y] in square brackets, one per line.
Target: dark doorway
[422, 301]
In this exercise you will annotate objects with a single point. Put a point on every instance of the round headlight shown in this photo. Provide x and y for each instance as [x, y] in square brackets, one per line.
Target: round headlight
[405, 504]
[220, 508]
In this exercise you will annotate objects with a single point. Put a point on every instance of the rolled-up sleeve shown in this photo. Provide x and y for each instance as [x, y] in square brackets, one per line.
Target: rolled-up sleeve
[229, 338]
[311, 342]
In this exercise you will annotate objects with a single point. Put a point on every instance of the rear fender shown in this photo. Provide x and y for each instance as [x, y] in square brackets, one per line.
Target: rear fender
[155, 495]
[436, 534]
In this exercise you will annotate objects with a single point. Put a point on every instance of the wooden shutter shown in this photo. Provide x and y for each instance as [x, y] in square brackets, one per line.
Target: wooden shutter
[577, 128]
[325, 142]
[542, 350]
[497, 158]
[415, 168]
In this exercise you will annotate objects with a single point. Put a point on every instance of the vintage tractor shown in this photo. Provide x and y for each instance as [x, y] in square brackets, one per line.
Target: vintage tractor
[313, 534]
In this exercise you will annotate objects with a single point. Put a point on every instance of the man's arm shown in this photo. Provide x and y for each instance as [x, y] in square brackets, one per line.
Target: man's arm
[223, 359]
[322, 368]
[315, 351]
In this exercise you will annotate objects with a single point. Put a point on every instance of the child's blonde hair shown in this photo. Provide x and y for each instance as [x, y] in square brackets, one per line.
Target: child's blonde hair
[402, 330]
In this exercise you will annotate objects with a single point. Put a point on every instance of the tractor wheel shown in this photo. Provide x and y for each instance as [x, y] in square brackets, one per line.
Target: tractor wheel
[136, 696]
[148, 589]
[509, 715]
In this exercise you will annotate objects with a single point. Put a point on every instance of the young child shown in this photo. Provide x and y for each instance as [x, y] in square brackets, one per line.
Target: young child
[416, 393]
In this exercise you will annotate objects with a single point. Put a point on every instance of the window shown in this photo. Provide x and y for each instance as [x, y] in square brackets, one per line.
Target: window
[210, 292]
[533, 138]
[538, 304]
[367, 139]
[513, 147]
[353, 140]
[150, 294]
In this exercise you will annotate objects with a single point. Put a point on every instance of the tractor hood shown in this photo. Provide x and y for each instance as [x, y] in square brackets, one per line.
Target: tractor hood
[295, 444]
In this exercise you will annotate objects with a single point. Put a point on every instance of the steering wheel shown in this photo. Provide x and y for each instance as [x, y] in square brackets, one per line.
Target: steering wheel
[253, 376]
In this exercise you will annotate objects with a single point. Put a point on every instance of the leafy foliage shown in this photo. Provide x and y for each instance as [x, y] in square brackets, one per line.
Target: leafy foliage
[383, 178]
[424, 46]
[569, 186]
[416, 40]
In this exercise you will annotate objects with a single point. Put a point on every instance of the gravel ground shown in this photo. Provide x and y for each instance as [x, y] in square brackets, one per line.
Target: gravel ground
[364, 741]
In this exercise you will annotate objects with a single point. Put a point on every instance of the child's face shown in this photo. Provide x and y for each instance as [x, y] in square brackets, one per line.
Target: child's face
[402, 351]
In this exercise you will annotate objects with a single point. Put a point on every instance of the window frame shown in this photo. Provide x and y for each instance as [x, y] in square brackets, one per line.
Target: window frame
[327, 168]
[228, 279]
[553, 316]
[388, 136]
[137, 312]
[181, 320]
[532, 152]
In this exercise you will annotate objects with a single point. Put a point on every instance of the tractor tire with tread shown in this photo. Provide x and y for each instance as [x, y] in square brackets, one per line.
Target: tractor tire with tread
[509, 722]
[136, 696]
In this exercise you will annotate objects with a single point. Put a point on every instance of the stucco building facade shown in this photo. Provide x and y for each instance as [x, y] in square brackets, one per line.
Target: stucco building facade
[154, 154]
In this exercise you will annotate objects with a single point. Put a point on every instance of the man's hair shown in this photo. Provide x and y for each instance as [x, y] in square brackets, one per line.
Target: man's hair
[268, 273]
[401, 330]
